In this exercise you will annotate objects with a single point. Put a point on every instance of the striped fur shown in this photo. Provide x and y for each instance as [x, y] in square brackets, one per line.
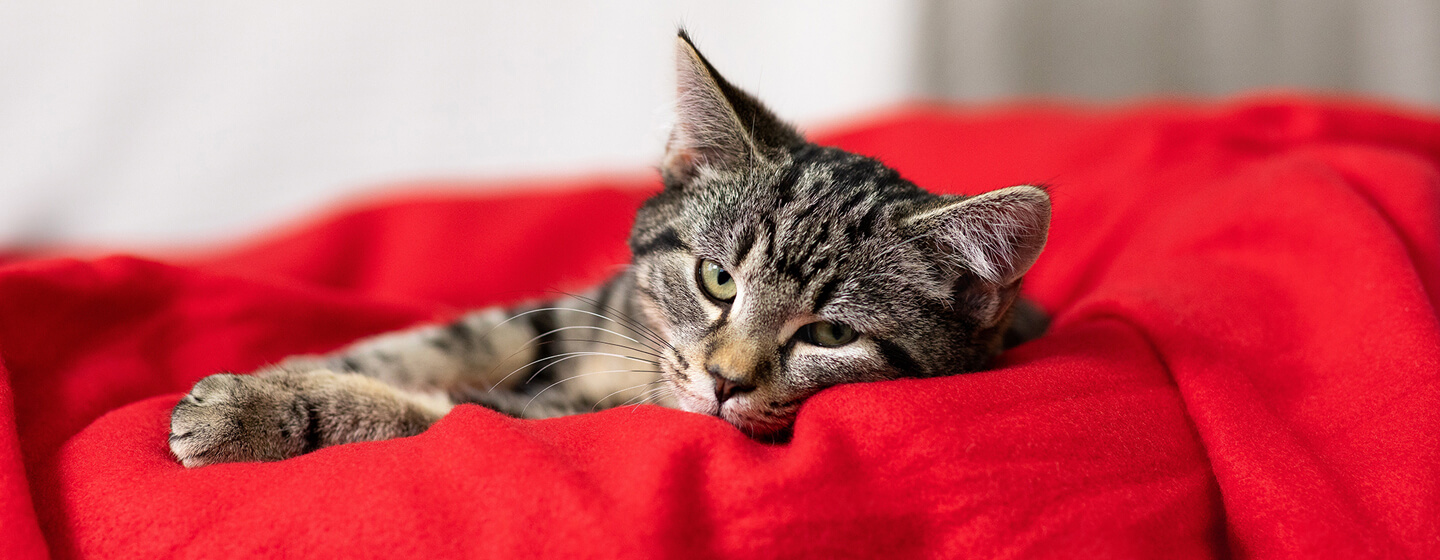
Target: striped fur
[808, 234]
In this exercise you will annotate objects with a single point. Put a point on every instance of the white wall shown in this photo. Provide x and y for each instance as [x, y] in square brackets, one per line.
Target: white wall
[149, 123]
[158, 122]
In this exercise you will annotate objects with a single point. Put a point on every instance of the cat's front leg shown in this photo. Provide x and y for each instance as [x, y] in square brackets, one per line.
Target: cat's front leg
[279, 414]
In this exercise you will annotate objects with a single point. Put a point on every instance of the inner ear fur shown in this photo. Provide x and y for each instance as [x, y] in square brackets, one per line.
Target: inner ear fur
[996, 236]
[717, 126]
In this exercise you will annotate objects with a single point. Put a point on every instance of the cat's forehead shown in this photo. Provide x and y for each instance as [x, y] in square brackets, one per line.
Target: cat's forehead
[820, 230]
[814, 184]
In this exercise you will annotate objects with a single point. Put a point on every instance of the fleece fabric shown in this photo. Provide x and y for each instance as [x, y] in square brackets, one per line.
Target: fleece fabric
[1244, 362]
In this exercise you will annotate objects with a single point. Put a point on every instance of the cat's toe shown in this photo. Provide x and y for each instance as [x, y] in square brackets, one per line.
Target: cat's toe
[234, 418]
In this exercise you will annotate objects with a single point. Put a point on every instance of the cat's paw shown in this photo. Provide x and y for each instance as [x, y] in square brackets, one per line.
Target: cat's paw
[234, 418]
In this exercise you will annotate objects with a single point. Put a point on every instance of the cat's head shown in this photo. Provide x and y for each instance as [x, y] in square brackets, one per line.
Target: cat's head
[774, 267]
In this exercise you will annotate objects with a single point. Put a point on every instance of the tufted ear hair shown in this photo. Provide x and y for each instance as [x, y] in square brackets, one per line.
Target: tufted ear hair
[717, 126]
[996, 236]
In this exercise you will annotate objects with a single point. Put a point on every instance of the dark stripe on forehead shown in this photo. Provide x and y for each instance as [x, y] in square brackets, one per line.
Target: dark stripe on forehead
[856, 229]
[800, 269]
[817, 265]
[803, 263]
[767, 230]
[743, 243]
[821, 237]
[785, 187]
[666, 240]
[826, 293]
[856, 197]
[788, 266]
[818, 202]
[898, 358]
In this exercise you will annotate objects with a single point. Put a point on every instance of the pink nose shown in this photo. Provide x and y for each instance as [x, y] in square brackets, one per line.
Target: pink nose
[726, 387]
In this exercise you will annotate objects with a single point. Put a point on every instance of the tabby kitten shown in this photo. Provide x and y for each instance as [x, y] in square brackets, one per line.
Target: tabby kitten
[769, 268]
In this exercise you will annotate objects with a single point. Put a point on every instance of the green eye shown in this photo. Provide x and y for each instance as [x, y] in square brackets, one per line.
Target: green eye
[716, 282]
[827, 334]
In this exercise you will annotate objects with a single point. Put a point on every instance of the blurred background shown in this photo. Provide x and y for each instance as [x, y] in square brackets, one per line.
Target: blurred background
[163, 123]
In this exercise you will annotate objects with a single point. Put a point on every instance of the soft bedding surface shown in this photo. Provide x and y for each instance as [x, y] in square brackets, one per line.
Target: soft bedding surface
[1245, 361]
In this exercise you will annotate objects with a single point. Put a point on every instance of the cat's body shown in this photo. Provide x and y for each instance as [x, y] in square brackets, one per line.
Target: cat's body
[768, 269]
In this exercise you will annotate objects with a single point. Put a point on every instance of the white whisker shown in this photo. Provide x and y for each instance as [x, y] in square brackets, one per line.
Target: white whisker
[527, 344]
[647, 395]
[572, 327]
[634, 324]
[572, 309]
[565, 357]
[605, 342]
[573, 377]
[630, 388]
[537, 337]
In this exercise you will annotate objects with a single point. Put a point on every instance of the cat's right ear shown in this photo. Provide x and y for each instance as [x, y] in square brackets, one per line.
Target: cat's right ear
[993, 238]
[717, 126]
[996, 236]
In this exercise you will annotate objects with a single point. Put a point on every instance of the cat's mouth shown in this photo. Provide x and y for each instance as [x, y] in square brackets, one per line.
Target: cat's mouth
[757, 419]
[758, 424]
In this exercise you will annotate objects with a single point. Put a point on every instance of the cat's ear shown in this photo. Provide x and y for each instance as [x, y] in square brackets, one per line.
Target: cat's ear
[996, 236]
[717, 126]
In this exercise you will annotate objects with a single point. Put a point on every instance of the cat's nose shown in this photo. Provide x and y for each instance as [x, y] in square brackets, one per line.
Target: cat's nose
[726, 387]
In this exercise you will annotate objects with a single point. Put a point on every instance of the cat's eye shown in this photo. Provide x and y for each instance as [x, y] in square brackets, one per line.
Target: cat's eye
[827, 334]
[716, 282]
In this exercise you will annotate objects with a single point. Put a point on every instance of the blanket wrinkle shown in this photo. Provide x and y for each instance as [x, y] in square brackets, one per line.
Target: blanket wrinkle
[1423, 253]
[1244, 362]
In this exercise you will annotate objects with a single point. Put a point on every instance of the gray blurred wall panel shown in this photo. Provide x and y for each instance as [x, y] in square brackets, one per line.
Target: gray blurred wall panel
[1118, 49]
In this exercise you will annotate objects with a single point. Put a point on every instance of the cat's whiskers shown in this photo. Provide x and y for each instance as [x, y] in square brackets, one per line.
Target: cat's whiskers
[644, 351]
[574, 377]
[635, 324]
[587, 327]
[571, 309]
[647, 395]
[562, 357]
[596, 406]
[527, 343]
[649, 350]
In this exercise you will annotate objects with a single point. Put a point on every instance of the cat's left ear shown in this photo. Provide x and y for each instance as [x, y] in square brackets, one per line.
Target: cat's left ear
[996, 236]
[718, 126]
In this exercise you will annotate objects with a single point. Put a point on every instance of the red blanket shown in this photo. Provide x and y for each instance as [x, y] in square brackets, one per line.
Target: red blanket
[1245, 361]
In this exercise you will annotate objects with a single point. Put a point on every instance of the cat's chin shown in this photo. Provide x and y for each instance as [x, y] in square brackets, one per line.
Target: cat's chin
[752, 423]
[770, 431]
[755, 423]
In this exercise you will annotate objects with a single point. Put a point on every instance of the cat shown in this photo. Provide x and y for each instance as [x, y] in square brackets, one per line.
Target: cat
[768, 268]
